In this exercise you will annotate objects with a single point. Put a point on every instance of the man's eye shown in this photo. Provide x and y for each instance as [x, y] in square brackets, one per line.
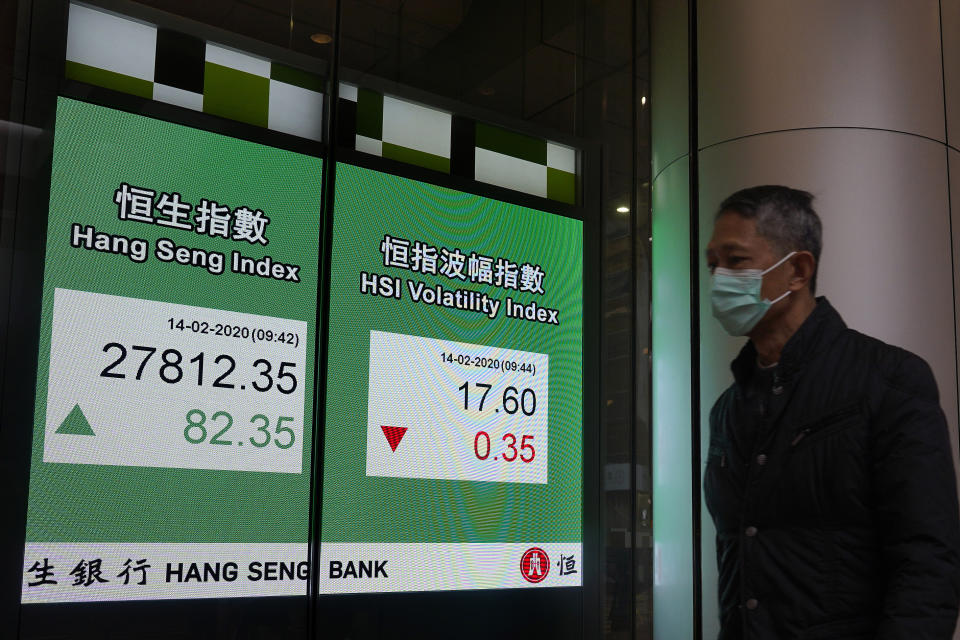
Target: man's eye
[711, 268]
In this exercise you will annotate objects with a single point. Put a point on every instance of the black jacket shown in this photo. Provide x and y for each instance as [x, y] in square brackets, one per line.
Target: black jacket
[842, 521]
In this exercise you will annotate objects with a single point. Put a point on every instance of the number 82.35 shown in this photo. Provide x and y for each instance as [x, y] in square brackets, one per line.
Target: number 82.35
[198, 428]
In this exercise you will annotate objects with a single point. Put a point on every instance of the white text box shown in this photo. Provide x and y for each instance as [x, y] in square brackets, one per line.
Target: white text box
[418, 384]
[138, 369]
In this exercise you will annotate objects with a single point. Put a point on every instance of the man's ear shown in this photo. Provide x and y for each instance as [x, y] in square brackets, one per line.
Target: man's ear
[804, 265]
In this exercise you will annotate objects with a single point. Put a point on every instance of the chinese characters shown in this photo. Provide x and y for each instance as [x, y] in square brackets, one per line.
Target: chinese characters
[88, 573]
[210, 218]
[422, 258]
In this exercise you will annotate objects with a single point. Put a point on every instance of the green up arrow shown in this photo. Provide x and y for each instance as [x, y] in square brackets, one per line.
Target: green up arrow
[76, 424]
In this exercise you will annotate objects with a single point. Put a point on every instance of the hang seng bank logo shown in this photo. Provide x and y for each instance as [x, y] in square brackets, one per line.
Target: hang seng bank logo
[534, 565]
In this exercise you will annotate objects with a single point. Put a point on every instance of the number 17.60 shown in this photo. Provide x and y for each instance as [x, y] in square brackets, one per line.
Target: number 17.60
[512, 399]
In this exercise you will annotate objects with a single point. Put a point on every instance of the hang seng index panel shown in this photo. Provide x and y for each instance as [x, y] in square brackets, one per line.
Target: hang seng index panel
[175, 379]
[453, 436]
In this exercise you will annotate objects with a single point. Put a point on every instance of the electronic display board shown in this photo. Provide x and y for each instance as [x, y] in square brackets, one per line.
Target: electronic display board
[175, 380]
[453, 439]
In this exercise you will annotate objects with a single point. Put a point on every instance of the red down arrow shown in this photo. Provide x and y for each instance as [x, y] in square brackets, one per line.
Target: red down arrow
[394, 435]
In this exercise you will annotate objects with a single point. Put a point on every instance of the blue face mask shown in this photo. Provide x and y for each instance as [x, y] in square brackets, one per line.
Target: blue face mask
[735, 297]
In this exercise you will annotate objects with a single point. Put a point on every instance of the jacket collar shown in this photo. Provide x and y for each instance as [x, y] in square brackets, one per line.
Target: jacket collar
[820, 328]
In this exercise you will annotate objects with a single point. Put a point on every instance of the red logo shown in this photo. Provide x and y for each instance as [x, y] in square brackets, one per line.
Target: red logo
[534, 565]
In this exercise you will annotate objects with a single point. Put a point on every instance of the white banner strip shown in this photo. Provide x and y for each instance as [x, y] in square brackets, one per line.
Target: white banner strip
[90, 572]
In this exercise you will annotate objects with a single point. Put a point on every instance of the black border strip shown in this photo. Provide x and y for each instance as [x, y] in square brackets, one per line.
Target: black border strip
[694, 184]
[632, 340]
[322, 347]
[40, 33]
[590, 156]
[592, 494]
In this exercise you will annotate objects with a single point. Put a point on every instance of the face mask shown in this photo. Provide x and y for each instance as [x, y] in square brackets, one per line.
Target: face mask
[735, 297]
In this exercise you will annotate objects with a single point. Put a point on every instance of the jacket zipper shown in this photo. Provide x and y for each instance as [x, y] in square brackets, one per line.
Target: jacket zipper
[800, 436]
[837, 418]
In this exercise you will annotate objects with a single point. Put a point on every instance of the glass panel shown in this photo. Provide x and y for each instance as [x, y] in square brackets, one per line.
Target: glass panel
[673, 595]
[167, 270]
[675, 575]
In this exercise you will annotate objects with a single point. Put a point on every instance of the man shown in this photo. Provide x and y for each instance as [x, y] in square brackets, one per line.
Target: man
[829, 476]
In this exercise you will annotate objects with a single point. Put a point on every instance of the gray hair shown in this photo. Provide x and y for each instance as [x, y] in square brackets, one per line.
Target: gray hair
[784, 217]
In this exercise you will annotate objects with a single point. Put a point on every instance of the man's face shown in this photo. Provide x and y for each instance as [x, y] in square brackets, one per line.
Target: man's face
[735, 244]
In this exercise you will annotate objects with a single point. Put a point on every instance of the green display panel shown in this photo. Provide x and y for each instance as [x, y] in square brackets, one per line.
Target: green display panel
[175, 377]
[453, 436]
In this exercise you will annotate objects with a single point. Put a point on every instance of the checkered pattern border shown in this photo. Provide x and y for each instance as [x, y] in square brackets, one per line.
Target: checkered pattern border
[127, 55]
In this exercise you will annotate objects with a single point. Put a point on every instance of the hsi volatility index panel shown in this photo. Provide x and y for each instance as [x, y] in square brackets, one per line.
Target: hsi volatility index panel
[453, 443]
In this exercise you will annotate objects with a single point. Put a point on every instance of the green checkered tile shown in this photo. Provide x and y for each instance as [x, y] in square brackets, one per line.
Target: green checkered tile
[415, 157]
[108, 79]
[369, 114]
[511, 143]
[296, 77]
[561, 186]
[237, 95]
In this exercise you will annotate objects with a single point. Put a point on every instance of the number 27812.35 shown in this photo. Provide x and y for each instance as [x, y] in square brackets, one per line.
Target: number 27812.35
[171, 369]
